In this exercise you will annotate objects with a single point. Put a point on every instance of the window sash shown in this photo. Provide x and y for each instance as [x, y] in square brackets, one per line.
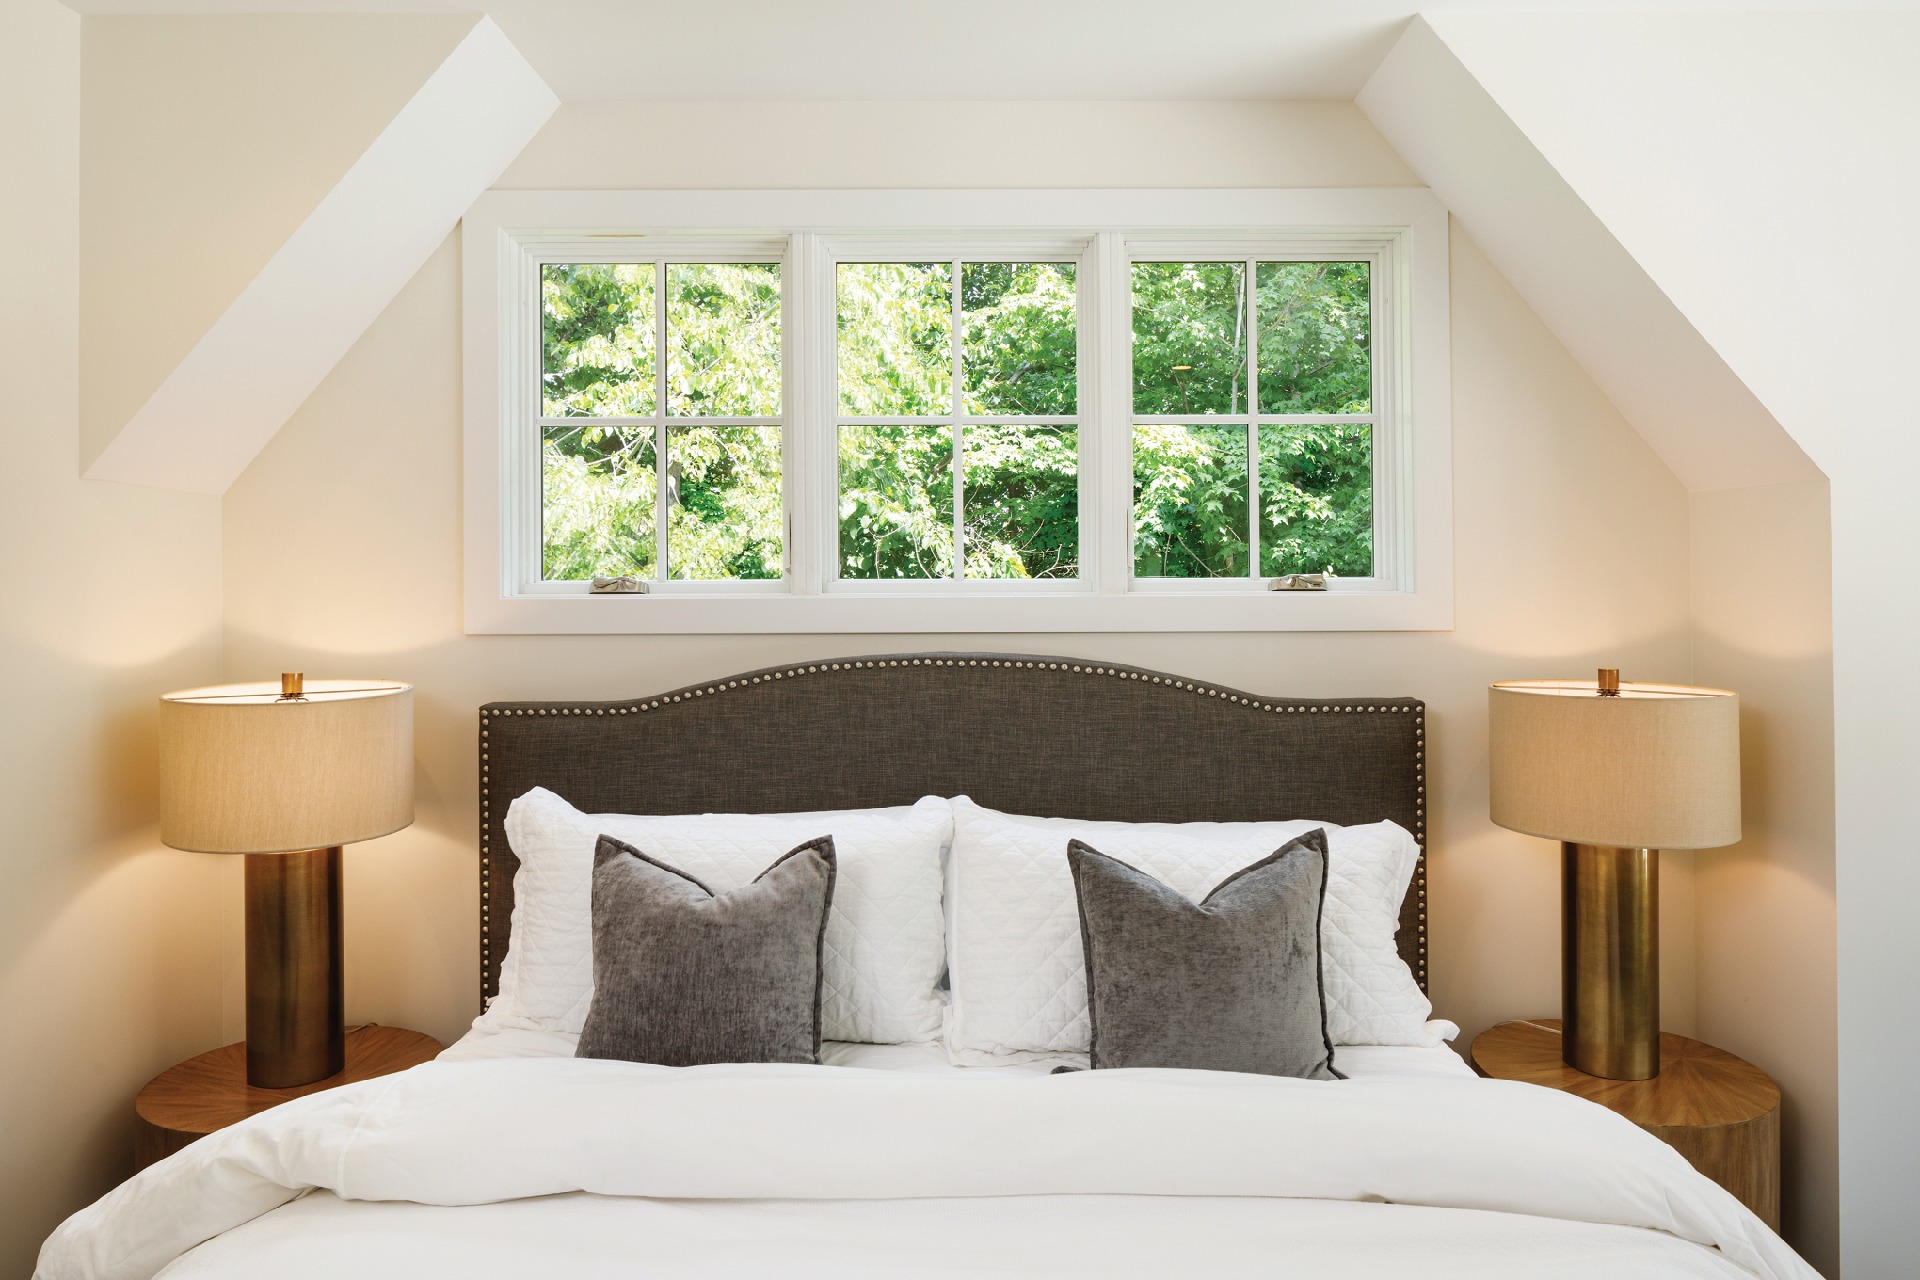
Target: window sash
[957, 420]
[1252, 419]
[639, 251]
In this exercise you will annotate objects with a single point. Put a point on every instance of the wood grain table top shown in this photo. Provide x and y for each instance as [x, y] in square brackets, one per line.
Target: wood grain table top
[1699, 1086]
[210, 1092]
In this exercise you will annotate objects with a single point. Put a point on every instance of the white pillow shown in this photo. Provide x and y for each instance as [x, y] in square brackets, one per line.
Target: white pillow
[1015, 961]
[884, 949]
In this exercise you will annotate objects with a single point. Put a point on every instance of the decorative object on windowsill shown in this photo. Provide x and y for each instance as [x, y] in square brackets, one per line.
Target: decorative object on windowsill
[621, 586]
[1616, 772]
[1298, 582]
[287, 774]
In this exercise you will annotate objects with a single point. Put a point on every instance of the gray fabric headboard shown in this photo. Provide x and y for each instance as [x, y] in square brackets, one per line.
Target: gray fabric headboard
[1051, 736]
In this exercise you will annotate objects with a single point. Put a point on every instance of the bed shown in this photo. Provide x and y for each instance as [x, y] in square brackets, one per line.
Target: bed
[511, 1157]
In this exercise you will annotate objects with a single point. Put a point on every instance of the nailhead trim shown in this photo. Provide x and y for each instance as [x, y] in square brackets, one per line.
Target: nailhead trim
[794, 673]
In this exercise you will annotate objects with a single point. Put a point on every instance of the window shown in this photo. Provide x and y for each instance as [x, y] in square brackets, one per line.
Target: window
[918, 418]
[975, 361]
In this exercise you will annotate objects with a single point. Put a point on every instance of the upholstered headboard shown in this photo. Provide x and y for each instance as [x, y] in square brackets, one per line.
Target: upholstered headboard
[1050, 736]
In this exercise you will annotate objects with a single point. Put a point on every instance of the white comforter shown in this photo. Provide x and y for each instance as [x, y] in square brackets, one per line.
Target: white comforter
[815, 1171]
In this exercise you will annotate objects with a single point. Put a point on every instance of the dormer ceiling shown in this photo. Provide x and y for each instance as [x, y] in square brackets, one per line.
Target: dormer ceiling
[325, 155]
[863, 50]
[256, 190]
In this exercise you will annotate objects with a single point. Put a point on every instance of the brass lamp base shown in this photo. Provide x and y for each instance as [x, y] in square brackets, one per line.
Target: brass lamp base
[296, 1001]
[1610, 961]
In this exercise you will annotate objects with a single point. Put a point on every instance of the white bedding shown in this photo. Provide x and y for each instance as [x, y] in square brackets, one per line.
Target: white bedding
[582, 1237]
[1354, 1061]
[477, 1168]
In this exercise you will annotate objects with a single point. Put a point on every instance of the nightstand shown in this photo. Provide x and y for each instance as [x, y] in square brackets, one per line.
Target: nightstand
[1721, 1113]
[190, 1101]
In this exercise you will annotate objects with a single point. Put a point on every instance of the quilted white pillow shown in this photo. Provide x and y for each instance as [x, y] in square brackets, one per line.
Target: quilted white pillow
[1015, 961]
[884, 949]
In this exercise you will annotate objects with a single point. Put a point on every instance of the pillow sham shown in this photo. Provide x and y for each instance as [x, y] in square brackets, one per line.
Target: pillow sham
[684, 976]
[885, 940]
[1014, 958]
[1231, 983]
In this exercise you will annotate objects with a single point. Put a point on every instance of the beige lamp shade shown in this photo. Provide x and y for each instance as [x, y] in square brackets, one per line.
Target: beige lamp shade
[1653, 767]
[245, 770]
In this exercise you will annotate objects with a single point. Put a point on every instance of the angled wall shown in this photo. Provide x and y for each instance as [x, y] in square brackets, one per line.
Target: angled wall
[1612, 315]
[207, 142]
[256, 189]
[1759, 168]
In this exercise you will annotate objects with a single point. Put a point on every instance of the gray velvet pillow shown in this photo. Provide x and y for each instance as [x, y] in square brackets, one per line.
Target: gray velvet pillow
[683, 976]
[1231, 983]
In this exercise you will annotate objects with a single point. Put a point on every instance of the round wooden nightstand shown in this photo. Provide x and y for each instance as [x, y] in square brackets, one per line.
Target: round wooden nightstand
[1720, 1112]
[190, 1101]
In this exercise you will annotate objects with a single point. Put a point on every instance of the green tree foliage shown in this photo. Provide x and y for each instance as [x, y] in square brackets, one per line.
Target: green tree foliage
[1019, 356]
[1022, 502]
[896, 501]
[1190, 501]
[1020, 490]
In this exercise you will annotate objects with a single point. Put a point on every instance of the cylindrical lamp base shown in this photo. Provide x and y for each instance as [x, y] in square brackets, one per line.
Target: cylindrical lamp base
[1610, 961]
[296, 1001]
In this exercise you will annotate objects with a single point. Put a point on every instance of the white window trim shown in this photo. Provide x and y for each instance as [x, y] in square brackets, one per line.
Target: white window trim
[507, 233]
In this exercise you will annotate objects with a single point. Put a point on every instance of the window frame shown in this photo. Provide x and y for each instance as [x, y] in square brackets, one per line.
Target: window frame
[1402, 232]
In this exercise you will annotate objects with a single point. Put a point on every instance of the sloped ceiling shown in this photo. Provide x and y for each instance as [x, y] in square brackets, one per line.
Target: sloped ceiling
[983, 50]
[1760, 166]
[254, 192]
[244, 218]
[1656, 367]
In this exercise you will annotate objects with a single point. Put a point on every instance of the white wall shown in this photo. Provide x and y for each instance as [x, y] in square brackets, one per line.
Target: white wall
[1544, 466]
[1646, 355]
[736, 145]
[109, 944]
[1760, 168]
[210, 139]
[1764, 908]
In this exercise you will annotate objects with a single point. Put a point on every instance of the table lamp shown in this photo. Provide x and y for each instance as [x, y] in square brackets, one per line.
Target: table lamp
[286, 774]
[1616, 772]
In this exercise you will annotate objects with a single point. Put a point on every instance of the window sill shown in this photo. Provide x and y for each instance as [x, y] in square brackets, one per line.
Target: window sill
[916, 613]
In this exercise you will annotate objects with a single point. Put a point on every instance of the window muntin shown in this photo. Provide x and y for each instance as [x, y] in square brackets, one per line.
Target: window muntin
[611, 356]
[957, 430]
[1289, 487]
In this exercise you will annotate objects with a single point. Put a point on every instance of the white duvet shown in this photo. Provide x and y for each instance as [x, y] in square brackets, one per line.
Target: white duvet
[814, 1171]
